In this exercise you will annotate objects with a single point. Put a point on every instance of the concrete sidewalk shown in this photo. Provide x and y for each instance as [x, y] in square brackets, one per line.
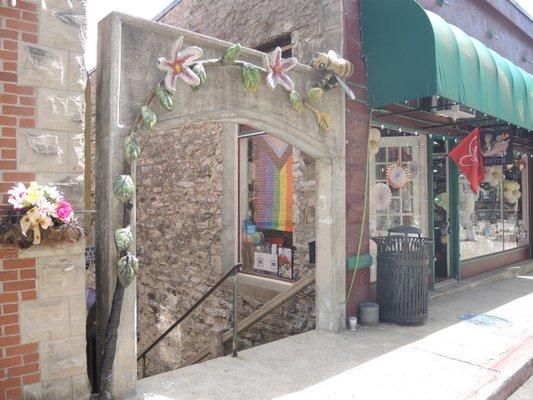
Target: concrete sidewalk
[485, 357]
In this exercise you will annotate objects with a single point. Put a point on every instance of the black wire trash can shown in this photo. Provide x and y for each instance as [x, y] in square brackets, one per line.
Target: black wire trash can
[403, 259]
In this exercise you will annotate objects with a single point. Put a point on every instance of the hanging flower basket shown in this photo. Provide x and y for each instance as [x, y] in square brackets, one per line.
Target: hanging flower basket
[40, 214]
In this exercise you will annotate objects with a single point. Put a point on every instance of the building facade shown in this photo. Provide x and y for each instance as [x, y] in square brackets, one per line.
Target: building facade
[194, 260]
[488, 231]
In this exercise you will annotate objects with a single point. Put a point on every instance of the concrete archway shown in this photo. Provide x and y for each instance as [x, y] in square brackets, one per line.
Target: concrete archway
[127, 54]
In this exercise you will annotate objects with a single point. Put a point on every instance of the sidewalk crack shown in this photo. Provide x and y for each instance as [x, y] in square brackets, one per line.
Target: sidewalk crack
[456, 359]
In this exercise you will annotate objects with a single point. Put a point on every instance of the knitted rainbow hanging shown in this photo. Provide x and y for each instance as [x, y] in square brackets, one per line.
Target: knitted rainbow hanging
[273, 183]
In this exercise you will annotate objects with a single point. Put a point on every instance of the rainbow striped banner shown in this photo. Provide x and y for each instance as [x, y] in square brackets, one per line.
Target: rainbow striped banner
[273, 184]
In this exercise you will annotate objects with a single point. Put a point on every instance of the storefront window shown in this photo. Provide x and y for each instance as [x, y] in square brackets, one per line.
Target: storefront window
[493, 220]
[403, 202]
[266, 177]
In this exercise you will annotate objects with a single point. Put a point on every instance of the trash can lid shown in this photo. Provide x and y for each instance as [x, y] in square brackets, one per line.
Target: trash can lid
[405, 230]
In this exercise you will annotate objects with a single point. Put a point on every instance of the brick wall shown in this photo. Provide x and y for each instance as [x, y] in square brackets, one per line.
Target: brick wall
[357, 121]
[42, 289]
[19, 364]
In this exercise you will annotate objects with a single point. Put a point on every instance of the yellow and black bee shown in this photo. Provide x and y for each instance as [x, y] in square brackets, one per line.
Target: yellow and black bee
[337, 69]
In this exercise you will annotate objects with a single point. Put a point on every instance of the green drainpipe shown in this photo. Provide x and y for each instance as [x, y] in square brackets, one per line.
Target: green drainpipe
[453, 215]
[431, 207]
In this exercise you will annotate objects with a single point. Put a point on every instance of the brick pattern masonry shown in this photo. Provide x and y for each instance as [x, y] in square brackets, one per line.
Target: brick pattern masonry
[42, 289]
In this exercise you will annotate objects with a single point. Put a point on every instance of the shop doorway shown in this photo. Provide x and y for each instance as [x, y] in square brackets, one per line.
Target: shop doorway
[440, 209]
[406, 205]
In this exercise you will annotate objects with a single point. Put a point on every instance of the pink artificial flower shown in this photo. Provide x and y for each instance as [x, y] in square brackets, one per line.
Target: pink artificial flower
[64, 211]
[277, 67]
[178, 65]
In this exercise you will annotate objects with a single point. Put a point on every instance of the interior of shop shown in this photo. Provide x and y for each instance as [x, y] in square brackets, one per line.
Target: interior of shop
[413, 182]
[276, 182]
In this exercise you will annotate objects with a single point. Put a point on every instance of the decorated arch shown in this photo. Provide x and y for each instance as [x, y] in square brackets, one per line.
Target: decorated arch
[155, 77]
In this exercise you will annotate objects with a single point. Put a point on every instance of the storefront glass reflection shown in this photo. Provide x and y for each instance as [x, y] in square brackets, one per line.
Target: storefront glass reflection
[492, 220]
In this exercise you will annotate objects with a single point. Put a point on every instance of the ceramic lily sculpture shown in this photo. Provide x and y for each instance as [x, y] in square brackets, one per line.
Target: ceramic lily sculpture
[277, 68]
[179, 65]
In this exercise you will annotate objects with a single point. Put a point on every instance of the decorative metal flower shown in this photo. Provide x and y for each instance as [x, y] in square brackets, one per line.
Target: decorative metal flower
[179, 65]
[277, 68]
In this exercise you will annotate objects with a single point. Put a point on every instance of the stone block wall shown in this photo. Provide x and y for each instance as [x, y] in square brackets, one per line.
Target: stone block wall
[42, 289]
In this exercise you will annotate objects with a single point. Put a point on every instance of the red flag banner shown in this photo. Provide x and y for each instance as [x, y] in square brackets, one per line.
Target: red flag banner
[469, 159]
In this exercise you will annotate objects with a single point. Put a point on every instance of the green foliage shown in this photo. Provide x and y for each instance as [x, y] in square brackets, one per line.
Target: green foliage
[314, 94]
[127, 268]
[148, 117]
[231, 54]
[123, 188]
[251, 78]
[199, 70]
[123, 239]
[132, 148]
[165, 97]
[324, 121]
[296, 101]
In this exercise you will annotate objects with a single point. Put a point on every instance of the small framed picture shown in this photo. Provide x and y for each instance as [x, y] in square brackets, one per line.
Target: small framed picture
[285, 262]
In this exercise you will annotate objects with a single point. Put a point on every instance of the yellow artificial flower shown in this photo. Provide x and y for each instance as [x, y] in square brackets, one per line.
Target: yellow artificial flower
[33, 194]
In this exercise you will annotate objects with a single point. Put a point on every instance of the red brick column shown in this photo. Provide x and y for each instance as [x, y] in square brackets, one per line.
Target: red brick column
[357, 122]
[19, 363]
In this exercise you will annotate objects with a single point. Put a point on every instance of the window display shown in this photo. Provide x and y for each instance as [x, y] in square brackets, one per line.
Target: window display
[492, 220]
[266, 210]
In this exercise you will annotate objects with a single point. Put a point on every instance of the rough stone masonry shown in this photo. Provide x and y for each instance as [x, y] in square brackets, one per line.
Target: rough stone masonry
[179, 180]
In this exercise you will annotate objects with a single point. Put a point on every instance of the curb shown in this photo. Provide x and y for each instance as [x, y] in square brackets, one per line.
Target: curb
[510, 372]
[514, 382]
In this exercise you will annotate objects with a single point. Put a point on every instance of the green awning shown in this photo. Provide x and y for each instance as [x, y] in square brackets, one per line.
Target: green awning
[413, 53]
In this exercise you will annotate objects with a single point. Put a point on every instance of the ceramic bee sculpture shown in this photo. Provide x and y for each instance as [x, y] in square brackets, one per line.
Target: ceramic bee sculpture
[337, 68]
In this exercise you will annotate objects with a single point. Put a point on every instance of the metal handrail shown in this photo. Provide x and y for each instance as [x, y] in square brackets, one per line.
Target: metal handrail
[233, 271]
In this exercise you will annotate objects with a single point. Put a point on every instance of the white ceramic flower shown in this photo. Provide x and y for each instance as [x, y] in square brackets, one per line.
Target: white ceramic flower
[179, 65]
[277, 68]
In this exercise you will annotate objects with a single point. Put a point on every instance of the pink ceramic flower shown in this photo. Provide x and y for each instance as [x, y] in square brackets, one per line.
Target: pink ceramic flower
[277, 68]
[178, 65]
[64, 211]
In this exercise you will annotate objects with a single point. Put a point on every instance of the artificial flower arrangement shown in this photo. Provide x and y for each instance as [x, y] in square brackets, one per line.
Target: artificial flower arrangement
[42, 210]
[511, 191]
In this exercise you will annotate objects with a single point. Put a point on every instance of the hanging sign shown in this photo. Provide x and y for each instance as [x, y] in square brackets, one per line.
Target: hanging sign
[497, 148]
